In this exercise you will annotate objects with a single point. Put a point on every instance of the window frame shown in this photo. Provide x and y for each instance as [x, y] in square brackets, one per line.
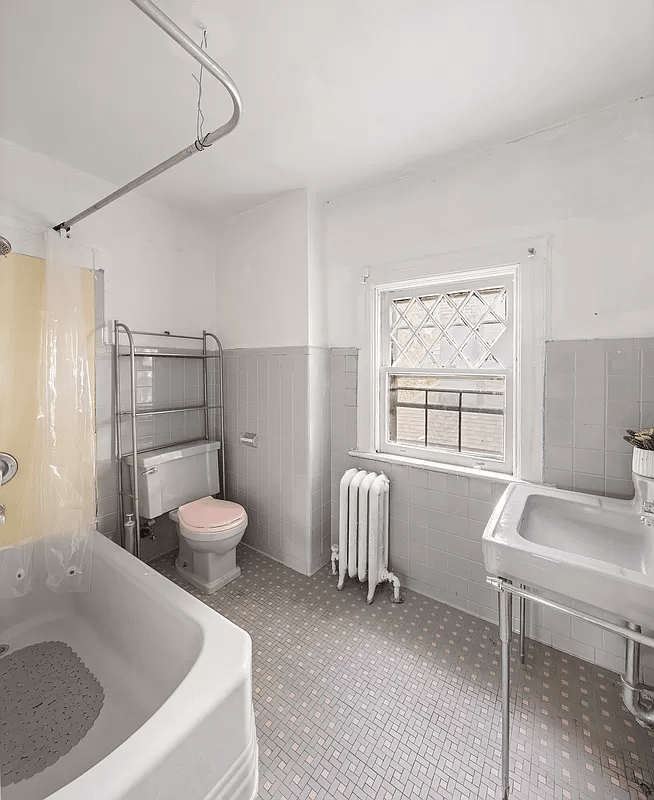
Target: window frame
[481, 279]
[531, 258]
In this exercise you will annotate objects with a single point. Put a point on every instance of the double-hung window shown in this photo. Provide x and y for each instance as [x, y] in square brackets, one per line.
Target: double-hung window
[446, 356]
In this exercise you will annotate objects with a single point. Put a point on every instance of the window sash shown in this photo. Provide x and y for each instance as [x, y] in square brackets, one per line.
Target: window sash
[506, 349]
[446, 454]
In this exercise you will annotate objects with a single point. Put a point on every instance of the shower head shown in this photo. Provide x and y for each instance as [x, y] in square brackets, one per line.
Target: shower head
[5, 247]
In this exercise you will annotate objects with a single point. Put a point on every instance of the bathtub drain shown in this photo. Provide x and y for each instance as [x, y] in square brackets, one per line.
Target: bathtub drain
[49, 702]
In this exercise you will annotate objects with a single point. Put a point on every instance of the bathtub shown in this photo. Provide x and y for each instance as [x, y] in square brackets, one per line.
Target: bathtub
[177, 721]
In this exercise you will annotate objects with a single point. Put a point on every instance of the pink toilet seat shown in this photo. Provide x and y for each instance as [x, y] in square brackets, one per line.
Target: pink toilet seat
[210, 516]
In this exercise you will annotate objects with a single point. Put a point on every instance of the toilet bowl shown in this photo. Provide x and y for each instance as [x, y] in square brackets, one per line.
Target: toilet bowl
[209, 531]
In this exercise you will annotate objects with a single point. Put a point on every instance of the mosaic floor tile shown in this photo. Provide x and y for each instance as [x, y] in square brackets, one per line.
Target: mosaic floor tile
[396, 702]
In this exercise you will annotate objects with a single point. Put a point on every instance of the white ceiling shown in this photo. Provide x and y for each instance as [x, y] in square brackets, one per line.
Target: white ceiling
[336, 93]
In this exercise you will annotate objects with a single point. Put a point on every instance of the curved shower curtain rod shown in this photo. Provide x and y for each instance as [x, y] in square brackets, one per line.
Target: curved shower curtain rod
[176, 33]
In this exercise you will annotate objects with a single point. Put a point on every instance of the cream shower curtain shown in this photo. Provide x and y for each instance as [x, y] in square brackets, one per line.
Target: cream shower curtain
[56, 509]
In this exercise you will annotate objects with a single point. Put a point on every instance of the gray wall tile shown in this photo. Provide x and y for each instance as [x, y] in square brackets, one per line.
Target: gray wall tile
[284, 395]
[611, 391]
[437, 519]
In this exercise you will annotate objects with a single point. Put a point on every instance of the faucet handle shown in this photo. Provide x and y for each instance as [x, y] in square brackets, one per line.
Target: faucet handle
[3, 515]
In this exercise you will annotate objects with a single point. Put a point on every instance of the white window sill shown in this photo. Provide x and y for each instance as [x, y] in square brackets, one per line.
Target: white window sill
[438, 466]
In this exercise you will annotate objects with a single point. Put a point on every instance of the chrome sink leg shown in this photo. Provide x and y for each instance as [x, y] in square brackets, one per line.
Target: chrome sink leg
[505, 613]
[523, 625]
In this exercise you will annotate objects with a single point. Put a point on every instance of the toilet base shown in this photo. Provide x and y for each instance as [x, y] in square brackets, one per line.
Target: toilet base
[207, 587]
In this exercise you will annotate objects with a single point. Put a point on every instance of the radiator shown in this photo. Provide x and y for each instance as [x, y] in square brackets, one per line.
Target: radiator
[362, 549]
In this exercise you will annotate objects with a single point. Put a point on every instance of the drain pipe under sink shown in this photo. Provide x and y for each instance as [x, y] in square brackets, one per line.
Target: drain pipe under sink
[637, 697]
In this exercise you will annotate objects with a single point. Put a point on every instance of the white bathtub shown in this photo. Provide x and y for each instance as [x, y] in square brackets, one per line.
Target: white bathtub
[177, 721]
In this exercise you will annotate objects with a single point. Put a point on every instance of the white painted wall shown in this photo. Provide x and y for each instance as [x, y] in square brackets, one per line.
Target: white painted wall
[317, 273]
[589, 184]
[262, 275]
[160, 271]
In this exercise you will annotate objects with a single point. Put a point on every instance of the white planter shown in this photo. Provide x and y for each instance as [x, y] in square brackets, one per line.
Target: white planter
[642, 463]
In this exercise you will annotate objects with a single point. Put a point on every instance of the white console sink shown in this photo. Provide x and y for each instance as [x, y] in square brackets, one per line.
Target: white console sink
[593, 550]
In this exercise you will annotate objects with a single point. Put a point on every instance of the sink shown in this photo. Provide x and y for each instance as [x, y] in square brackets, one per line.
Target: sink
[592, 550]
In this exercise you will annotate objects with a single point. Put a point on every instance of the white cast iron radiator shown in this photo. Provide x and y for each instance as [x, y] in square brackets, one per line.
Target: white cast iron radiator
[363, 531]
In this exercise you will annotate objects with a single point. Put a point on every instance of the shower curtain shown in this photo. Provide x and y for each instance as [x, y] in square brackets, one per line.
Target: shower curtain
[46, 377]
[22, 281]
[66, 478]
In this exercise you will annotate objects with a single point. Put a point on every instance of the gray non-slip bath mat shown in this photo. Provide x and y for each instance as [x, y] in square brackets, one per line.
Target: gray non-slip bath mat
[49, 701]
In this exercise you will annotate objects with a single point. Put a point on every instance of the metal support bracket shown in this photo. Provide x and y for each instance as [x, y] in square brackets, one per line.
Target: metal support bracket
[634, 691]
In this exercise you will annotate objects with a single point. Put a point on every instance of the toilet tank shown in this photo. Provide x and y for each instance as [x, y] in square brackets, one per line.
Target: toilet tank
[172, 476]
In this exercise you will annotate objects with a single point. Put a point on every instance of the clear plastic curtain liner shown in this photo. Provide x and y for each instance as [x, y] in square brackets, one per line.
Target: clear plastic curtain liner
[66, 421]
[16, 570]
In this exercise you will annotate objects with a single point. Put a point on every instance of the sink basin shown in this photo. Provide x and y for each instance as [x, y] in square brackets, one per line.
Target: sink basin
[592, 550]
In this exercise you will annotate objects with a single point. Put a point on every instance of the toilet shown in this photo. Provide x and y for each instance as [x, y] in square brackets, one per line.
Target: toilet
[180, 481]
[209, 531]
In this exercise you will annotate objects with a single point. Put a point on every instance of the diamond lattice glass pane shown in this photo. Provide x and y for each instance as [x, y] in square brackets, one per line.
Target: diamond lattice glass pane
[416, 313]
[442, 311]
[402, 336]
[398, 307]
[490, 329]
[446, 351]
[436, 352]
[458, 331]
[457, 298]
[474, 351]
[415, 352]
[458, 362]
[430, 334]
[490, 361]
[473, 309]
[401, 360]
[399, 340]
[429, 301]
[430, 337]
[498, 303]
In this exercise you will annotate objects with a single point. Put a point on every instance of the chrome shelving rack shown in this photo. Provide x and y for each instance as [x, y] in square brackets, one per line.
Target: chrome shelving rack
[134, 412]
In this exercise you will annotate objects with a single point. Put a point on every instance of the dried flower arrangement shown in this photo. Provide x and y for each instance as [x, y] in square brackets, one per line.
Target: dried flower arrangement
[643, 440]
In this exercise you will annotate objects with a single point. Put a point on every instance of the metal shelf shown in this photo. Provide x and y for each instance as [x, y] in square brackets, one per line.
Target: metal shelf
[164, 354]
[142, 450]
[134, 414]
[152, 412]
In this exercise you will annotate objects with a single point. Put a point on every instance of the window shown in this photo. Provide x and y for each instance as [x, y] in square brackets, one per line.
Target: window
[445, 369]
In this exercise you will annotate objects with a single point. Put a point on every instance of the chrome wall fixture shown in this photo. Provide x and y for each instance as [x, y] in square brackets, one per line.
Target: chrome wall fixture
[178, 35]
[8, 468]
[5, 246]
